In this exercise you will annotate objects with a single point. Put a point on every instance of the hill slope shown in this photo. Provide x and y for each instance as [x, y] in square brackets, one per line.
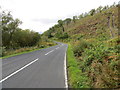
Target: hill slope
[95, 44]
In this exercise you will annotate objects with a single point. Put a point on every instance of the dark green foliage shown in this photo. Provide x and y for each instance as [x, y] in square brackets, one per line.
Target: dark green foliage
[9, 27]
[14, 37]
[100, 61]
[64, 36]
[60, 22]
[96, 52]
[79, 48]
[92, 12]
[67, 21]
[48, 33]
[74, 18]
[59, 35]
[80, 37]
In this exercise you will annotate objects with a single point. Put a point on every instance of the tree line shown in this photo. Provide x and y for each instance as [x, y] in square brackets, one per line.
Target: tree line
[14, 37]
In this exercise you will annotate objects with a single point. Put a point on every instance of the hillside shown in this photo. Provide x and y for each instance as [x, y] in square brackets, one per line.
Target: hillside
[94, 41]
[90, 24]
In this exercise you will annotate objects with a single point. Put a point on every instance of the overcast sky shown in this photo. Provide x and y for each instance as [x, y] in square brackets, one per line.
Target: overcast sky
[40, 15]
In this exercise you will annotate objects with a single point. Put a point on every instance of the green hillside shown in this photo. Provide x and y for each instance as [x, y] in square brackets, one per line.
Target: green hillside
[89, 25]
[94, 41]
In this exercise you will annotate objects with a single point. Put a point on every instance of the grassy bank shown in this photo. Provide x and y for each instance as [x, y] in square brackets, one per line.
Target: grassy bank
[14, 52]
[76, 79]
[99, 60]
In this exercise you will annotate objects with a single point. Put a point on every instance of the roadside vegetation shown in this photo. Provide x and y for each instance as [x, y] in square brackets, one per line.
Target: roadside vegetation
[17, 41]
[94, 47]
[76, 78]
[100, 61]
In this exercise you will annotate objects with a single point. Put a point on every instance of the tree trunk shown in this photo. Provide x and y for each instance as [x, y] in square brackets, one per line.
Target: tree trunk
[63, 29]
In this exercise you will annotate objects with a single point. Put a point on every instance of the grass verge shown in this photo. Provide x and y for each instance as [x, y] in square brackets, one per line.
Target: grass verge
[23, 52]
[20, 53]
[76, 79]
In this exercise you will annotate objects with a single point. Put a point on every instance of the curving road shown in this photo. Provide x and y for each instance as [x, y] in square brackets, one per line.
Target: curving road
[39, 69]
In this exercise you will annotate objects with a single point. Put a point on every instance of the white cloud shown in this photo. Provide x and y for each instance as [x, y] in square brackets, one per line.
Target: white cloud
[40, 15]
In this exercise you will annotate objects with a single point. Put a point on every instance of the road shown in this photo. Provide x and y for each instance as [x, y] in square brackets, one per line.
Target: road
[39, 69]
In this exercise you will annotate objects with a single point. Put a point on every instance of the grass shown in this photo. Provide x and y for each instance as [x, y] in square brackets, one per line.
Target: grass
[99, 61]
[10, 53]
[21, 53]
[76, 79]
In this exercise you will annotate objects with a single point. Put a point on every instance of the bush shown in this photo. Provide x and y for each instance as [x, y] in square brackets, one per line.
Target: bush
[2, 51]
[42, 46]
[79, 47]
[100, 61]
[97, 51]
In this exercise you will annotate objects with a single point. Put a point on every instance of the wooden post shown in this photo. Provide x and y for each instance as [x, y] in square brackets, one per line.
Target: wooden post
[110, 26]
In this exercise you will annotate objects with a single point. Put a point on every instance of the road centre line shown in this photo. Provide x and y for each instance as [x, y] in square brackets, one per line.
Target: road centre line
[49, 52]
[18, 70]
[57, 47]
[52, 51]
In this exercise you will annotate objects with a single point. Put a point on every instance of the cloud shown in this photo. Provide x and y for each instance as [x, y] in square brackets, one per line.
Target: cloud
[40, 15]
[45, 20]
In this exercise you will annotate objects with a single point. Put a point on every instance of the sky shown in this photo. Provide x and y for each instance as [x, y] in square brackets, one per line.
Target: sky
[40, 15]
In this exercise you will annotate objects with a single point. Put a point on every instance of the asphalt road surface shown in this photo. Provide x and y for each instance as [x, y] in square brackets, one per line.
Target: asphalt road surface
[39, 69]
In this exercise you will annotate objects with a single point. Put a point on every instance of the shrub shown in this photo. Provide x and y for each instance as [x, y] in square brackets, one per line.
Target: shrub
[96, 52]
[100, 61]
[79, 47]
[2, 51]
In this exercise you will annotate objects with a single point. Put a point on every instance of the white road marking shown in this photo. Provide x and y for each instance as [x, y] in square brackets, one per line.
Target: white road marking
[62, 45]
[49, 52]
[18, 70]
[57, 47]
[65, 72]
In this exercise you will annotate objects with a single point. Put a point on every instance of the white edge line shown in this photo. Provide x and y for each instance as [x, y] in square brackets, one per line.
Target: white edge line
[65, 72]
[18, 70]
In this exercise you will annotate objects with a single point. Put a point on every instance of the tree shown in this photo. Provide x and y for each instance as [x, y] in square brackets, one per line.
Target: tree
[99, 9]
[67, 21]
[48, 33]
[64, 36]
[13, 37]
[60, 22]
[92, 12]
[105, 8]
[25, 38]
[58, 34]
[9, 27]
[81, 16]
[74, 18]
